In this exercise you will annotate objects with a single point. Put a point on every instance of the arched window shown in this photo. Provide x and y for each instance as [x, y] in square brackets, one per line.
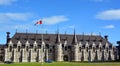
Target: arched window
[87, 49]
[18, 48]
[35, 48]
[39, 46]
[10, 48]
[93, 49]
[62, 45]
[80, 49]
[107, 49]
[47, 46]
[65, 48]
[100, 49]
[50, 50]
[27, 48]
[113, 49]
[53, 47]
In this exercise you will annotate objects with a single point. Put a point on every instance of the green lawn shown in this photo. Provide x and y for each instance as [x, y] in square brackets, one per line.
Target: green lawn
[64, 64]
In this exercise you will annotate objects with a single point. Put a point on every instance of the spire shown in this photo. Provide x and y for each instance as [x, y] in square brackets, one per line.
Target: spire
[58, 37]
[65, 36]
[74, 38]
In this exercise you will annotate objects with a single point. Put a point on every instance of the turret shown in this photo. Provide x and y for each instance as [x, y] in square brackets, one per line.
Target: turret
[58, 49]
[58, 39]
[75, 47]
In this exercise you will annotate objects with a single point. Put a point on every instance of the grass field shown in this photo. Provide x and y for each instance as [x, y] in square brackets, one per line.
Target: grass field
[64, 64]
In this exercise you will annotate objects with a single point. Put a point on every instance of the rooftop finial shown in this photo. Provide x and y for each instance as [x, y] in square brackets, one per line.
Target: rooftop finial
[58, 36]
[57, 29]
[16, 31]
[99, 33]
[46, 32]
[36, 31]
[65, 35]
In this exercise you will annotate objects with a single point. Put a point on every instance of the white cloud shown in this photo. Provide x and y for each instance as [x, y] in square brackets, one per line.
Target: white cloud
[21, 27]
[71, 26]
[5, 17]
[109, 26]
[109, 15]
[54, 19]
[7, 2]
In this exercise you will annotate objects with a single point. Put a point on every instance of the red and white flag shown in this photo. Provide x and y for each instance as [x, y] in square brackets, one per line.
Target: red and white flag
[39, 22]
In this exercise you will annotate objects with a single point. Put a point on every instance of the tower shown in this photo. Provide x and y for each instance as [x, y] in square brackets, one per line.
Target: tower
[58, 49]
[75, 47]
[42, 48]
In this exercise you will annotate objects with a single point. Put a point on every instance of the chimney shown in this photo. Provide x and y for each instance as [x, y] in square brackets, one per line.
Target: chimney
[8, 36]
[106, 37]
[118, 42]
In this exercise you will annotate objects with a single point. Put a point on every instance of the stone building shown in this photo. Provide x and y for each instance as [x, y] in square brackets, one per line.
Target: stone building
[1, 53]
[36, 47]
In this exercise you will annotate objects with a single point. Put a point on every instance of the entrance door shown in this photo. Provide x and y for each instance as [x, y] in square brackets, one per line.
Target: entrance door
[65, 57]
[1, 58]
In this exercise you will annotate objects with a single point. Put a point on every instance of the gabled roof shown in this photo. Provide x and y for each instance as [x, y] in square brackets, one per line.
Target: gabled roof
[51, 38]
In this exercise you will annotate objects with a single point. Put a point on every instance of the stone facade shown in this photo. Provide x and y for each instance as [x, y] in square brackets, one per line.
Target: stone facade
[31, 47]
[1, 53]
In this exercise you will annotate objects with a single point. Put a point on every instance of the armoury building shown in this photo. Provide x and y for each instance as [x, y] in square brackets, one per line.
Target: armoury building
[38, 47]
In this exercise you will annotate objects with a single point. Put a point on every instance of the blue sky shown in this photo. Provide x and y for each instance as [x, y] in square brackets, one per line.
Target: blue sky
[88, 16]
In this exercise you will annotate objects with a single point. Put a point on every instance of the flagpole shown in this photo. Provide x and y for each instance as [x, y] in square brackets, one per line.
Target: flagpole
[41, 52]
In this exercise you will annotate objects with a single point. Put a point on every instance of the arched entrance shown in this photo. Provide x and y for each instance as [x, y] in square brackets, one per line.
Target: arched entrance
[65, 58]
[1, 58]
